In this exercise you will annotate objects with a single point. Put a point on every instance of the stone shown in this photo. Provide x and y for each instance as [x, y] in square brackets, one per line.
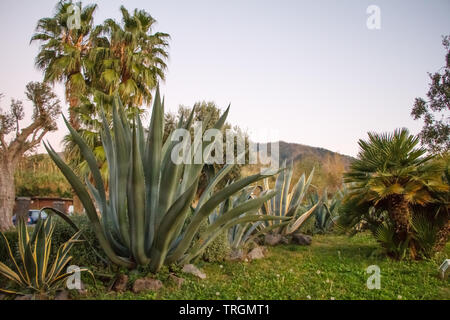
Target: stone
[146, 284]
[272, 239]
[82, 291]
[256, 253]
[2, 296]
[190, 268]
[236, 255]
[62, 295]
[301, 239]
[178, 281]
[286, 240]
[24, 297]
[120, 284]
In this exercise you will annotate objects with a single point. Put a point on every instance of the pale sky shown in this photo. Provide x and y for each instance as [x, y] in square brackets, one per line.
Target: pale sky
[311, 71]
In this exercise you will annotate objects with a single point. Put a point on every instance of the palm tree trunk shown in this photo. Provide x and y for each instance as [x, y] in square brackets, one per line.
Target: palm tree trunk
[73, 113]
[442, 237]
[400, 215]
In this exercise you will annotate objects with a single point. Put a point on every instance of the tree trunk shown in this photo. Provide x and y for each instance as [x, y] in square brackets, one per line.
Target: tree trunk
[400, 215]
[7, 195]
[73, 113]
[442, 237]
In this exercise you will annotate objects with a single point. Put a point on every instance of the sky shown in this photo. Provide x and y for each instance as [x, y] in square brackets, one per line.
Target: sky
[308, 72]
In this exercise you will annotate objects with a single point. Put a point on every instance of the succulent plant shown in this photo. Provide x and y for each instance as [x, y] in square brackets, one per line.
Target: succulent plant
[288, 203]
[35, 271]
[147, 218]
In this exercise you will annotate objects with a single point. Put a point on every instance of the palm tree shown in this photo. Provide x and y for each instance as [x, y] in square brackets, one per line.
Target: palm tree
[64, 52]
[393, 174]
[131, 58]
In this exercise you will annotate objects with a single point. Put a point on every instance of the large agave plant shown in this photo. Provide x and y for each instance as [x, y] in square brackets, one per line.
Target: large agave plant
[35, 271]
[288, 203]
[147, 218]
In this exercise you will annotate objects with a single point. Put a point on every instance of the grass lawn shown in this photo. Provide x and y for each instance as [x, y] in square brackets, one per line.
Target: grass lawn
[333, 267]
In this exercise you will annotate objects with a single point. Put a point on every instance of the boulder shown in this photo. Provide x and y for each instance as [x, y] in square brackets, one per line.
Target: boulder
[286, 239]
[120, 284]
[178, 281]
[24, 297]
[236, 255]
[301, 239]
[256, 253]
[190, 268]
[272, 239]
[146, 284]
[62, 295]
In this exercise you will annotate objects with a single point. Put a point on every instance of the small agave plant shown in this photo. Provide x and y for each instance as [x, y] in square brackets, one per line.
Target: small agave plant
[288, 203]
[241, 235]
[147, 218]
[35, 271]
[327, 213]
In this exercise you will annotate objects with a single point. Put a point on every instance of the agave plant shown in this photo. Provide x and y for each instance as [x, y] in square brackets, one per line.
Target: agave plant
[288, 203]
[35, 271]
[147, 218]
[327, 213]
[240, 235]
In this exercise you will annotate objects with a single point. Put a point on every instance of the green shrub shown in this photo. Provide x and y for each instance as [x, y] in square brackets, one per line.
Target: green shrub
[218, 250]
[82, 252]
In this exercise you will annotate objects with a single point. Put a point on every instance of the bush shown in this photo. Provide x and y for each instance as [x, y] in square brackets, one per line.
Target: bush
[218, 250]
[82, 252]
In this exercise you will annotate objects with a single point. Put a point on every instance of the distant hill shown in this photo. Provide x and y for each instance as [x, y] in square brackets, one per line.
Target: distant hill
[298, 152]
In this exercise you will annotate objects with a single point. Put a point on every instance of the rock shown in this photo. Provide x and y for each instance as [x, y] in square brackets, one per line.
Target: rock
[2, 296]
[62, 295]
[256, 253]
[190, 268]
[286, 240]
[301, 239]
[272, 239]
[24, 297]
[236, 255]
[82, 291]
[178, 281]
[146, 284]
[120, 284]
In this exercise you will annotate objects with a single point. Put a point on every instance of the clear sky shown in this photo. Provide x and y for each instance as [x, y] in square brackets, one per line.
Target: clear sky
[309, 70]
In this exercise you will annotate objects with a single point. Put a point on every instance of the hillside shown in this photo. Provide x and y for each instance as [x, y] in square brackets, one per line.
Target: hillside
[298, 152]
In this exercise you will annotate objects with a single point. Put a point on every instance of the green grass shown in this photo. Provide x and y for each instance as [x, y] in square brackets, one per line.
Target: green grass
[333, 267]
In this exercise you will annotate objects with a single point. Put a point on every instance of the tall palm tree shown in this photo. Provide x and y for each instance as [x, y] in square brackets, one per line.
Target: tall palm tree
[131, 58]
[393, 174]
[64, 52]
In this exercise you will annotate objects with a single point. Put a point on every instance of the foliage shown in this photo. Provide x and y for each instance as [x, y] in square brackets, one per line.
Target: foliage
[16, 141]
[242, 235]
[390, 178]
[332, 267]
[34, 270]
[288, 203]
[144, 220]
[327, 213]
[37, 175]
[434, 111]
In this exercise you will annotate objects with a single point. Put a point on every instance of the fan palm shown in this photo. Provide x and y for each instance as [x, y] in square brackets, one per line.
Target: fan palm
[131, 58]
[64, 52]
[393, 174]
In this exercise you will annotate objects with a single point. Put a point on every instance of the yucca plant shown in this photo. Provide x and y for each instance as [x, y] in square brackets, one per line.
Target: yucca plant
[147, 219]
[241, 235]
[288, 203]
[34, 271]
